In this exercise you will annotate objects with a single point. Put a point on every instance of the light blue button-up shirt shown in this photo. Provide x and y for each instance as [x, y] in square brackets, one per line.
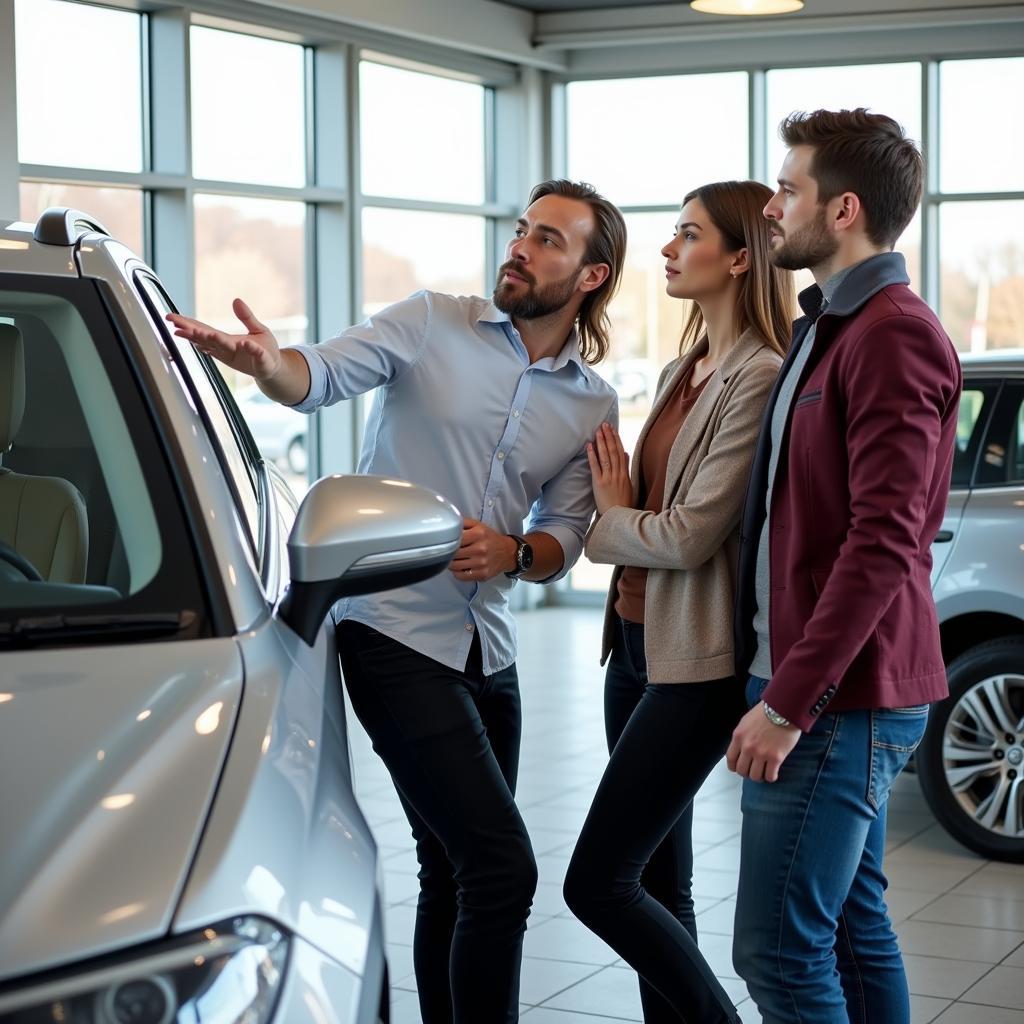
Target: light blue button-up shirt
[459, 408]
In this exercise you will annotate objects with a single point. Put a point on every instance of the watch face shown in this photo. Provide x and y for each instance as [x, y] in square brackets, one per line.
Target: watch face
[525, 556]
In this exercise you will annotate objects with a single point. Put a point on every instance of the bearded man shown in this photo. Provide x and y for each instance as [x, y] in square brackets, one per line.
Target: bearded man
[490, 403]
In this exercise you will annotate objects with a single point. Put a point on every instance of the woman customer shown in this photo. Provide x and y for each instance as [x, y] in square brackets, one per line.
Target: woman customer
[671, 529]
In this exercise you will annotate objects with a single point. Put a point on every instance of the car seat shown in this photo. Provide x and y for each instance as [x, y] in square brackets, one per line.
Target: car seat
[43, 518]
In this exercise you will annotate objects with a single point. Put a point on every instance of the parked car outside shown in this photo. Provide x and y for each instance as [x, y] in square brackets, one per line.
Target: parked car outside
[179, 840]
[279, 432]
[971, 760]
[634, 380]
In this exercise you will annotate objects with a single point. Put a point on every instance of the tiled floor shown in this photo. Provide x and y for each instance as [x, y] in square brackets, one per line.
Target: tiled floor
[960, 919]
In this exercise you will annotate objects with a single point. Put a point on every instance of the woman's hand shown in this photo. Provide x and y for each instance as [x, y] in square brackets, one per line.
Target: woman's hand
[609, 469]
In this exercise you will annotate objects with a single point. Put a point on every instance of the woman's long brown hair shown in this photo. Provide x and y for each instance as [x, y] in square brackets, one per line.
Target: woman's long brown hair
[767, 299]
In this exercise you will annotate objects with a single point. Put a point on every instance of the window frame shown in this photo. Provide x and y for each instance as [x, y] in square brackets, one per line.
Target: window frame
[233, 445]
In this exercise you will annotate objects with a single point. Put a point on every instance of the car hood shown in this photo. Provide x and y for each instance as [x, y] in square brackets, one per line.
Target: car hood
[109, 757]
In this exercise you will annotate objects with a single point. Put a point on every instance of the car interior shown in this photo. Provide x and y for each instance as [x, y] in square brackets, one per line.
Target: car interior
[73, 499]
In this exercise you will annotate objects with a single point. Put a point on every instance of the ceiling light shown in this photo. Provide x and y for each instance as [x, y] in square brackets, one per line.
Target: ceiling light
[750, 7]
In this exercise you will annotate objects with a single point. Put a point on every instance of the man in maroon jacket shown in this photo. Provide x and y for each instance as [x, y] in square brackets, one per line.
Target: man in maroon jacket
[835, 623]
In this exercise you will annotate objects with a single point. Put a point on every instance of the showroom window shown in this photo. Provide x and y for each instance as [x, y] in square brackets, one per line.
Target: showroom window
[963, 248]
[248, 109]
[119, 210]
[91, 119]
[405, 250]
[165, 142]
[254, 249]
[422, 135]
[71, 128]
[423, 145]
[249, 246]
[706, 143]
[981, 203]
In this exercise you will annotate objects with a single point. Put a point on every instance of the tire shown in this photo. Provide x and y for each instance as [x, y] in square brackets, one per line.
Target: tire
[296, 457]
[971, 760]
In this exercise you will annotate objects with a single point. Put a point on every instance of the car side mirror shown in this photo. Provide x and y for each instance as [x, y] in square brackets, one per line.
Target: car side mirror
[361, 534]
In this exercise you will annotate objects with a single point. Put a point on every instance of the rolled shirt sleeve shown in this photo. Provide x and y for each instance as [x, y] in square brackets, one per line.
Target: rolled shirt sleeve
[566, 505]
[375, 352]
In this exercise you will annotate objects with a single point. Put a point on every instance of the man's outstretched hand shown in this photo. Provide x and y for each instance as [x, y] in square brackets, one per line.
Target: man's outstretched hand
[255, 353]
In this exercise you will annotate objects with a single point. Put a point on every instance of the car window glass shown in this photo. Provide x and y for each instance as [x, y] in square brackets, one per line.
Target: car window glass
[1002, 458]
[1018, 464]
[88, 515]
[975, 404]
[228, 436]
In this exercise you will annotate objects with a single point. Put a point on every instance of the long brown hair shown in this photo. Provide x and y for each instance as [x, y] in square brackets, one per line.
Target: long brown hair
[607, 244]
[767, 299]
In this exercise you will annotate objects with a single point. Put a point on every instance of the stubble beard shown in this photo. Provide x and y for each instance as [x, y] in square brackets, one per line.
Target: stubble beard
[809, 246]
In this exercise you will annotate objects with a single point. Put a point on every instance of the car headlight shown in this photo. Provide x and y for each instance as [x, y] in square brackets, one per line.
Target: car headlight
[227, 974]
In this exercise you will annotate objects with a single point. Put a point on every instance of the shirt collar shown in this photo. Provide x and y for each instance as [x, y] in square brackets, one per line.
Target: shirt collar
[570, 351]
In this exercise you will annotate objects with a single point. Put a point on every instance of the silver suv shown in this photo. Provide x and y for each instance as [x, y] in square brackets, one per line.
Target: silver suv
[178, 833]
[971, 761]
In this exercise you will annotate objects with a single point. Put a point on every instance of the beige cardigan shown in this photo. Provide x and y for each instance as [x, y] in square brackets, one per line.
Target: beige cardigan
[691, 547]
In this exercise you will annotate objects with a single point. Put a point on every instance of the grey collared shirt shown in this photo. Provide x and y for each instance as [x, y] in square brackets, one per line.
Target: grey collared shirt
[459, 408]
[762, 663]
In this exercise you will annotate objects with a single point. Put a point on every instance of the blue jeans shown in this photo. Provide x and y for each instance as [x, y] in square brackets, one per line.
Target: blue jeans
[813, 940]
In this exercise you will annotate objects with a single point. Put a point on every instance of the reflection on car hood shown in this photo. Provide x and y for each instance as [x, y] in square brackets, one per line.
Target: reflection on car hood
[108, 762]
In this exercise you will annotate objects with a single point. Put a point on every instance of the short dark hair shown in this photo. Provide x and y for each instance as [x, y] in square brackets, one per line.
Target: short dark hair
[868, 154]
[607, 244]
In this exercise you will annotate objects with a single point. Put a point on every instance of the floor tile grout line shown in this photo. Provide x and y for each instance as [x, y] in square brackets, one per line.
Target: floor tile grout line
[560, 992]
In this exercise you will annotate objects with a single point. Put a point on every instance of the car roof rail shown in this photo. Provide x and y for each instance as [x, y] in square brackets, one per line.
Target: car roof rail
[63, 225]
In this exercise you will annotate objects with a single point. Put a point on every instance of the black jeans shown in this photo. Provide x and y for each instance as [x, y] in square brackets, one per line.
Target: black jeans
[630, 876]
[451, 742]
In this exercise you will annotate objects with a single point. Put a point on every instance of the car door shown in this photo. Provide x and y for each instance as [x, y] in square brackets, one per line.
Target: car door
[294, 714]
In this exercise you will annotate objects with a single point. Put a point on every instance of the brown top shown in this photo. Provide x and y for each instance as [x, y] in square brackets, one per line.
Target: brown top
[653, 457]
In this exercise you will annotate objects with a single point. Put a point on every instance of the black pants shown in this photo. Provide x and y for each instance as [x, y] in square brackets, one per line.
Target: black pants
[451, 742]
[631, 872]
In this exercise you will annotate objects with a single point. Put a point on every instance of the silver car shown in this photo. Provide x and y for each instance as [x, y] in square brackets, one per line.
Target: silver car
[179, 839]
[971, 761]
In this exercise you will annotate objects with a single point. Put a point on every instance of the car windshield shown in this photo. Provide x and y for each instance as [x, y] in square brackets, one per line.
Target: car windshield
[93, 540]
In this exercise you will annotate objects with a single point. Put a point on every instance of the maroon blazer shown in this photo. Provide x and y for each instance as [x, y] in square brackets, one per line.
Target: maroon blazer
[859, 494]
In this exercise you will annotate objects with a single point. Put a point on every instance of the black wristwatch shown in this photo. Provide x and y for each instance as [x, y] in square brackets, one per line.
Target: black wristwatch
[524, 557]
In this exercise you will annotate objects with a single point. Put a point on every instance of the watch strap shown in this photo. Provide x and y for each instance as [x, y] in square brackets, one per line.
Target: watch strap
[773, 716]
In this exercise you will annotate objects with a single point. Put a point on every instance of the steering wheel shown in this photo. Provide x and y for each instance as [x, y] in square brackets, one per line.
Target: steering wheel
[19, 562]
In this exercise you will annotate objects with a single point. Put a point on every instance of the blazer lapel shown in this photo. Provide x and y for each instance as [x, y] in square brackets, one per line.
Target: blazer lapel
[703, 410]
[683, 366]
